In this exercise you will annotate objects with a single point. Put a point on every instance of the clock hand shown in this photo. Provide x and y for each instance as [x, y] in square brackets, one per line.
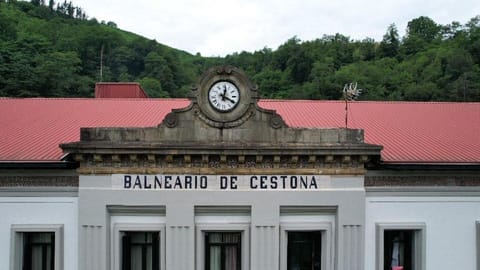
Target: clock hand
[229, 99]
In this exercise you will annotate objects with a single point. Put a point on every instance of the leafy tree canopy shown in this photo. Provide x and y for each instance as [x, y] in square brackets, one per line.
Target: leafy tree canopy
[54, 49]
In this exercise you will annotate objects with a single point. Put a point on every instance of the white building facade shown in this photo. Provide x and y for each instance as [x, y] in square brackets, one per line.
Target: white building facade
[226, 185]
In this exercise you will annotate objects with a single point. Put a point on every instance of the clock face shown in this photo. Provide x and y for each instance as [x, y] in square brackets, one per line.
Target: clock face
[223, 96]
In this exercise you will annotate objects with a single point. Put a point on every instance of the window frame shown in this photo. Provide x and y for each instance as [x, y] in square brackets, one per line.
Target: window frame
[222, 245]
[243, 229]
[328, 243]
[477, 225]
[16, 244]
[119, 228]
[419, 235]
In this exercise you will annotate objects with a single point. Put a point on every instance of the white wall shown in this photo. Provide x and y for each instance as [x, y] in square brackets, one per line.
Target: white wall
[450, 227]
[40, 210]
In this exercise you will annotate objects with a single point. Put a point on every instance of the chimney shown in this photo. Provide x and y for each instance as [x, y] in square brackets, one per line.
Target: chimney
[119, 90]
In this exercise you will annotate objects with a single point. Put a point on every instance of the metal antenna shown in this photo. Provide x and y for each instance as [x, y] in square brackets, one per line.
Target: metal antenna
[101, 64]
[350, 92]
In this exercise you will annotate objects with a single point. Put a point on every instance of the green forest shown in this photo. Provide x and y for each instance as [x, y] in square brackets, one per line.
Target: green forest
[50, 49]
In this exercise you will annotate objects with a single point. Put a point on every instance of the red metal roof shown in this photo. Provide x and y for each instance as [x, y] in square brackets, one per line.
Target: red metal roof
[411, 132]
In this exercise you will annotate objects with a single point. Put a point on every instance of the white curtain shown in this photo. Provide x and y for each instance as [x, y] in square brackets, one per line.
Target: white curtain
[230, 251]
[215, 258]
[37, 258]
[231, 258]
[149, 258]
[39, 249]
[397, 252]
[136, 258]
[137, 250]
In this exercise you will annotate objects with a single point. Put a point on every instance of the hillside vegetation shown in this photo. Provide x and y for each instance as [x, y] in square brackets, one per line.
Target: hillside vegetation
[54, 50]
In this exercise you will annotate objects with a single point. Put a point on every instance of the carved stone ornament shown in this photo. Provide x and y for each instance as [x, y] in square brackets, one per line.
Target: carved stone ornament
[171, 120]
[276, 122]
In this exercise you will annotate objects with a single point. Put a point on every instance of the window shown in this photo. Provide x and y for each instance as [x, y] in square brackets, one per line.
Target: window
[306, 246]
[140, 251]
[138, 246]
[37, 247]
[304, 250]
[398, 249]
[223, 250]
[307, 238]
[400, 246]
[222, 237]
[38, 251]
[222, 246]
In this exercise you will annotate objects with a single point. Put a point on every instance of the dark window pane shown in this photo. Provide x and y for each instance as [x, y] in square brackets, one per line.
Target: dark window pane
[223, 250]
[38, 251]
[398, 249]
[140, 251]
[304, 250]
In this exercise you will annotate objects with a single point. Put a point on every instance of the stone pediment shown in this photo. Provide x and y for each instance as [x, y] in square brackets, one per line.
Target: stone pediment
[222, 125]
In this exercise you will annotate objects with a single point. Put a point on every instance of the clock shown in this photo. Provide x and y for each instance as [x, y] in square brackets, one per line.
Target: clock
[223, 96]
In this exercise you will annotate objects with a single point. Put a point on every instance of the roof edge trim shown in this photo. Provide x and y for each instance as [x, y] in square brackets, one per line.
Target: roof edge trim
[425, 166]
[38, 165]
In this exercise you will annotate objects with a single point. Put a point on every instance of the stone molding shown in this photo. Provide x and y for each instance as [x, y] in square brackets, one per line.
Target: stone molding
[38, 181]
[221, 164]
[422, 180]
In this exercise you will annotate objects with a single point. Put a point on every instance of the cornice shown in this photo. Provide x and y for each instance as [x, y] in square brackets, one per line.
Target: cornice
[221, 164]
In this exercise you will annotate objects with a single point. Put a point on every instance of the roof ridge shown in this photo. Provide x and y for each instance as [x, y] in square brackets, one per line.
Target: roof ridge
[368, 101]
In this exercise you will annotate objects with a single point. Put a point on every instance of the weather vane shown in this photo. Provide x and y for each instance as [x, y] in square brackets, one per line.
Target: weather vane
[350, 93]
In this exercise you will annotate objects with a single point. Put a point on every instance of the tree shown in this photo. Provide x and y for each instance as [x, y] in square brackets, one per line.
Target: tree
[424, 28]
[17, 76]
[321, 78]
[473, 42]
[57, 73]
[281, 56]
[420, 32]
[390, 43]
[364, 50]
[421, 92]
[157, 67]
[451, 31]
[299, 65]
[459, 72]
[270, 82]
[152, 87]
[7, 27]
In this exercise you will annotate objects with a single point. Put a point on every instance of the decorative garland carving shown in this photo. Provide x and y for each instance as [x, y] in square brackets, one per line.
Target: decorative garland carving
[231, 124]
[227, 70]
